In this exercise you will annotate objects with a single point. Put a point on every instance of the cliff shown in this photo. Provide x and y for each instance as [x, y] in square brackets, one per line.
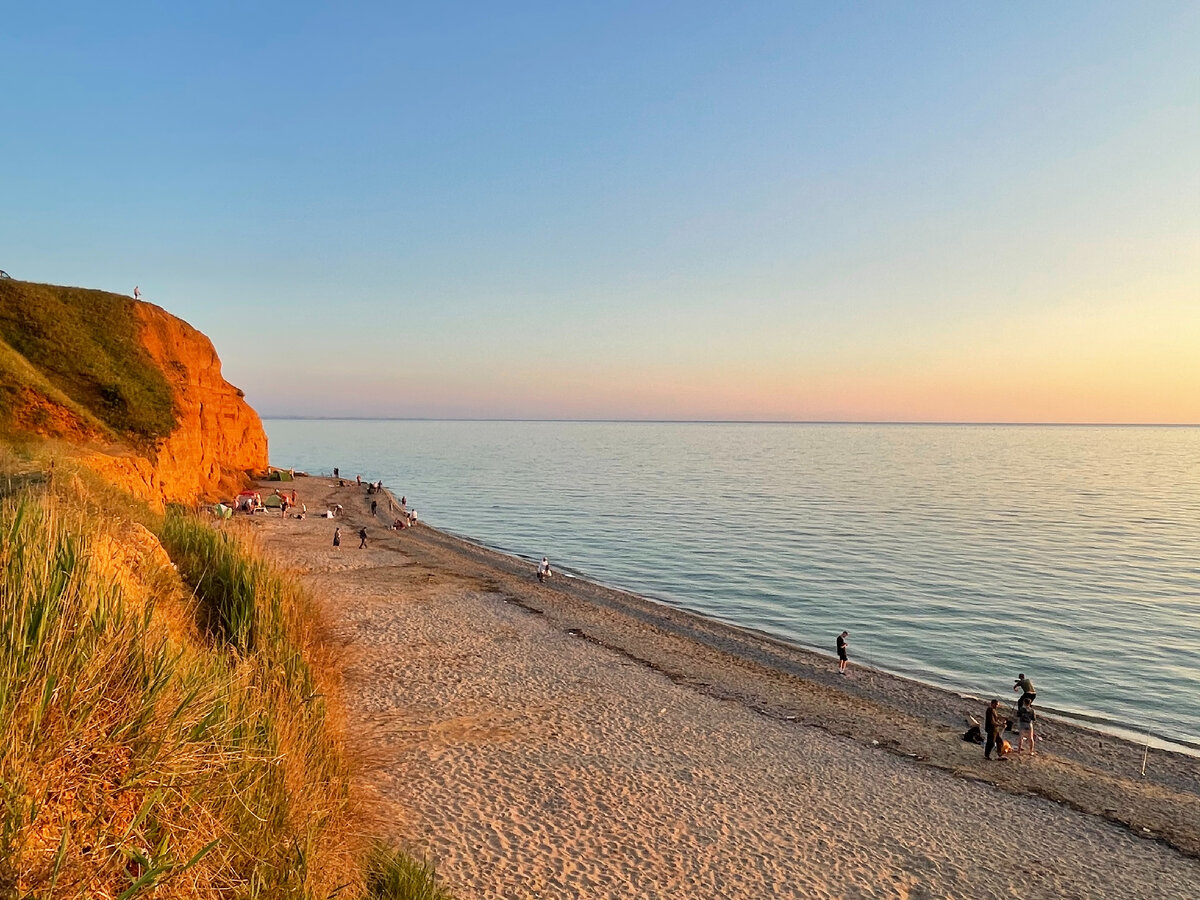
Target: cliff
[136, 393]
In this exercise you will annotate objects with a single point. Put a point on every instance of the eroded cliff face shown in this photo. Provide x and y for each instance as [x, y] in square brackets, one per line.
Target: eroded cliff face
[125, 387]
[218, 438]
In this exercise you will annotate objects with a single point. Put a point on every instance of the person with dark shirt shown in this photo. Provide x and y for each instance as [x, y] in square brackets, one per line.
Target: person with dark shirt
[362, 537]
[337, 537]
[843, 660]
[1029, 694]
[374, 506]
[993, 726]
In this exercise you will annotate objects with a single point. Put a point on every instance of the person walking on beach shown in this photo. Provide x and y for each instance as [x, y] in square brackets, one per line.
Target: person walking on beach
[543, 571]
[993, 725]
[337, 537]
[362, 539]
[374, 506]
[843, 659]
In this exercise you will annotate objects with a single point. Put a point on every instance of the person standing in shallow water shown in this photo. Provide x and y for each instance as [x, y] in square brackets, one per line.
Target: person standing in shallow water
[843, 659]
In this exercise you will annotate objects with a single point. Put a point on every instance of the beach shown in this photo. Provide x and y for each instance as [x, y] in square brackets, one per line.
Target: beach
[569, 740]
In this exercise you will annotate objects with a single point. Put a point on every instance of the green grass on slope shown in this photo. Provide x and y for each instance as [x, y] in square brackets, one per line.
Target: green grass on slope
[86, 344]
[17, 374]
[393, 875]
[159, 742]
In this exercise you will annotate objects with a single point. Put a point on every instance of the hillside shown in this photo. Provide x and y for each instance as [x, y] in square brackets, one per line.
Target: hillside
[170, 720]
[136, 392]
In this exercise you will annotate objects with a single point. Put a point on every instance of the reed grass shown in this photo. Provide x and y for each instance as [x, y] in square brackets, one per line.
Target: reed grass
[165, 736]
[393, 875]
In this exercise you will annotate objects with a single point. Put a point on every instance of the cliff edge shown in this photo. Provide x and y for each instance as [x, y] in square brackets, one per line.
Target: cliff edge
[136, 393]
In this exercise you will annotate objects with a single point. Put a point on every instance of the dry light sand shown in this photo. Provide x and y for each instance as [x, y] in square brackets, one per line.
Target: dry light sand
[567, 741]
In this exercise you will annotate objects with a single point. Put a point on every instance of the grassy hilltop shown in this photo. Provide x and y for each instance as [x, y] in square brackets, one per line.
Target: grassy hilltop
[71, 363]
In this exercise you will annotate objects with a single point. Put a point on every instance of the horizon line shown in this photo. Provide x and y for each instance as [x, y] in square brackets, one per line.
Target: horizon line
[610, 421]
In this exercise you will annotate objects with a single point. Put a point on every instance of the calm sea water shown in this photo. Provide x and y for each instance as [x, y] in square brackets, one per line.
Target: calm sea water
[959, 555]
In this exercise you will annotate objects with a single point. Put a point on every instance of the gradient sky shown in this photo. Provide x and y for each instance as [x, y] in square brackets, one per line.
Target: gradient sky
[878, 211]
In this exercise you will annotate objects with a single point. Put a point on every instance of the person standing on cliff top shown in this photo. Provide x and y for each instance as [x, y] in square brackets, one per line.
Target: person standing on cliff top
[137, 293]
[843, 660]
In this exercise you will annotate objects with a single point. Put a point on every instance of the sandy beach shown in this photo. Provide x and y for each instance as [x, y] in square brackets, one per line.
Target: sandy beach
[567, 740]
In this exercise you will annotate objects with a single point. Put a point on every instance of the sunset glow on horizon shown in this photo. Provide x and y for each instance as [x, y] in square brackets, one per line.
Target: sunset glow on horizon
[698, 212]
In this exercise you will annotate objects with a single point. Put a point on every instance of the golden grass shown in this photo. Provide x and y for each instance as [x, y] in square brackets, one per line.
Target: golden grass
[161, 741]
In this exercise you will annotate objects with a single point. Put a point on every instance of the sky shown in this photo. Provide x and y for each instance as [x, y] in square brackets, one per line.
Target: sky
[733, 211]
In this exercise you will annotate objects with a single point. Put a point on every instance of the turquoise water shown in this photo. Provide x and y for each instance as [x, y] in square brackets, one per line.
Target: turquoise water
[959, 555]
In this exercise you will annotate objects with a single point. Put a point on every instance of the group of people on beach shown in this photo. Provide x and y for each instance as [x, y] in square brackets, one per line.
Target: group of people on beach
[994, 722]
[407, 518]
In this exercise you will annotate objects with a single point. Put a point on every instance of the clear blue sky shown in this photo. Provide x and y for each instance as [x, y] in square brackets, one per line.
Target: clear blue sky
[666, 210]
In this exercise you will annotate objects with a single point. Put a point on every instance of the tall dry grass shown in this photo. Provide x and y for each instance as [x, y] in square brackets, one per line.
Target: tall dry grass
[165, 736]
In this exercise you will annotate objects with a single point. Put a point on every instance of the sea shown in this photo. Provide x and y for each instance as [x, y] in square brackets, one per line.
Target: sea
[959, 555]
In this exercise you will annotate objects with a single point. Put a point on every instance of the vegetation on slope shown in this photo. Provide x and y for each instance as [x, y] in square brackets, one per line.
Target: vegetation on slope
[156, 741]
[86, 344]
